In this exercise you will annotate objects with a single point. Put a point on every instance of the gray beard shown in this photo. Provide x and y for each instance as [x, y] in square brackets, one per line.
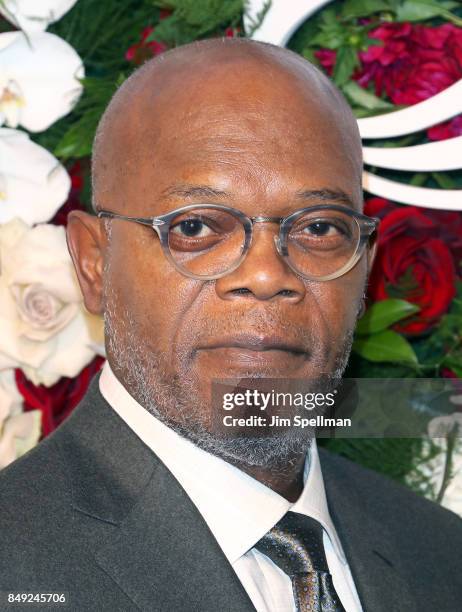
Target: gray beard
[172, 399]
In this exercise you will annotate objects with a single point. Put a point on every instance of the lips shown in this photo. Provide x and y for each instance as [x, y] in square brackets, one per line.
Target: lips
[251, 355]
[254, 343]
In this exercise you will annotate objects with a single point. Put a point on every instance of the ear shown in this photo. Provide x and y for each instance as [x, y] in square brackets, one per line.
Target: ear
[85, 241]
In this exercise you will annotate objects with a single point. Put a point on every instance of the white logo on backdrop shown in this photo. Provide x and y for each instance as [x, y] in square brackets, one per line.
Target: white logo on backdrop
[281, 21]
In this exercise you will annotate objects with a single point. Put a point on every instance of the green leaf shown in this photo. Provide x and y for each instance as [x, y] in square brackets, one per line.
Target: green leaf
[346, 62]
[310, 56]
[383, 314]
[194, 19]
[360, 96]
[332, 39]
[362, 8]
[444, 181]
[385, 346]
[329, 16]
[419, 10]
[77, 141]
[418, 179]
[255, 22]
[449, 4]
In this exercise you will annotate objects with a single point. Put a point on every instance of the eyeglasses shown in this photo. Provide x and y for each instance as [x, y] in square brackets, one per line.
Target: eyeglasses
[208, 241]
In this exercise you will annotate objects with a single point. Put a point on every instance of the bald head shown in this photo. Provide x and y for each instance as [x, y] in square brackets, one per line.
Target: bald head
[235, 92]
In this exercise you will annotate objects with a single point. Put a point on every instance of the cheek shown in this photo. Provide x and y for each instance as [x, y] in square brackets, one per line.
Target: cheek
[339, 301]
[150, 291]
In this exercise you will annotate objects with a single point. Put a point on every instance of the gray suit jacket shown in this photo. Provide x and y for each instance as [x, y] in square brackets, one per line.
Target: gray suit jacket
[92, 513]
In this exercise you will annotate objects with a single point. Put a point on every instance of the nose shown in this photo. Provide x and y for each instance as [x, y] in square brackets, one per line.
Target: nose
[263, 275]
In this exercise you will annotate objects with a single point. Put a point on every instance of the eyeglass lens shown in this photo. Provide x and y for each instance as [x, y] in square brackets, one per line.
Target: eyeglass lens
[208, 242]
[322, 242]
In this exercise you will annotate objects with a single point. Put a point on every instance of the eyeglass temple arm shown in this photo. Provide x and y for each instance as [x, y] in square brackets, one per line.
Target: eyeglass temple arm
[149, 221]
[371, 223]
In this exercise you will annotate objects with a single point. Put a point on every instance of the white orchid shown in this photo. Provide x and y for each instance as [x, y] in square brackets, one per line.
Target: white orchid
[456, 399]
[448, 487]
[34, 15]
[453, 494]
[19, 431]
[445, 425]
[45, 328]
[38, 79]
[33, 184]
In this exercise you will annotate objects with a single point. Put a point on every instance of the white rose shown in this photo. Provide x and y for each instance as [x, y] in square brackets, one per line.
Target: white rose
[33, 184]
[38, 79]
[35, 15]
[19, 431]
[45, 328]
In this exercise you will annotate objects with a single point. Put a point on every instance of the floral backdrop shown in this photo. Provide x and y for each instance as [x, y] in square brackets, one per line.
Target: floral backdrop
[61, 61]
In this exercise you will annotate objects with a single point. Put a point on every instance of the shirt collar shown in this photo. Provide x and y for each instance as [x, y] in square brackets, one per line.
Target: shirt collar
[237, 508]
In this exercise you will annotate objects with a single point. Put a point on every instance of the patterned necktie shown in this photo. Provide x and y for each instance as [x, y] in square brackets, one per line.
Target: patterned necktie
[295, 546]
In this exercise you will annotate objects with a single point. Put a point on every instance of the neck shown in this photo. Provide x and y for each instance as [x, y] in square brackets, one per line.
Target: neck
[287, 481]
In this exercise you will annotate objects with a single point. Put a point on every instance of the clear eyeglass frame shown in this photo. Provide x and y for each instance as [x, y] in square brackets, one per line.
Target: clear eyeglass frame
[161, 225]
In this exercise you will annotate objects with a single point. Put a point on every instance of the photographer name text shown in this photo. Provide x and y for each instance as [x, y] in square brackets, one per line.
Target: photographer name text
[277, 421]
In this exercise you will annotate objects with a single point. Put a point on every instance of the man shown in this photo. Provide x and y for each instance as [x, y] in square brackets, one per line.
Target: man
[141, 500]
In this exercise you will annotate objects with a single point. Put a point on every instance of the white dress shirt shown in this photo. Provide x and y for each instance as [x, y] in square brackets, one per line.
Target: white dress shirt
[237, 508]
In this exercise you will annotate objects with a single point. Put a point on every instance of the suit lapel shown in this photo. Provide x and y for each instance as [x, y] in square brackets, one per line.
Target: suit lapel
[147, 535]
[370, 548]
[164, 553]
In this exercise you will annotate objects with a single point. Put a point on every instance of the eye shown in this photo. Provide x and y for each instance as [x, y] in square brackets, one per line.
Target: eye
[322, 228]
[191, 228]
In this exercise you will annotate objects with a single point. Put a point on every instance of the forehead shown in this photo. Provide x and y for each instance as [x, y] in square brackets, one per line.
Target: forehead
[258, 137]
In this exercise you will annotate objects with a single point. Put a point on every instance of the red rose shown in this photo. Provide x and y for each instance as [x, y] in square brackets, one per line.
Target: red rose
[378, 207]
[58, 401]
[447, 226]
[142, 51]
[414, 63]
[412, 263]
[449, 230]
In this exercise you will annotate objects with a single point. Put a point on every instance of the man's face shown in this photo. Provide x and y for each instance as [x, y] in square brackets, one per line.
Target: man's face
[170, 336]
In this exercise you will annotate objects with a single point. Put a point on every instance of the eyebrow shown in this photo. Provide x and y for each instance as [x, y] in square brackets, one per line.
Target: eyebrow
[185, 190]
[325, 195]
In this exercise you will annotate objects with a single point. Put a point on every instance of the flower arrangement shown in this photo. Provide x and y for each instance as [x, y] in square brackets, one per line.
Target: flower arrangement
[384, 55]
[46, 334]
